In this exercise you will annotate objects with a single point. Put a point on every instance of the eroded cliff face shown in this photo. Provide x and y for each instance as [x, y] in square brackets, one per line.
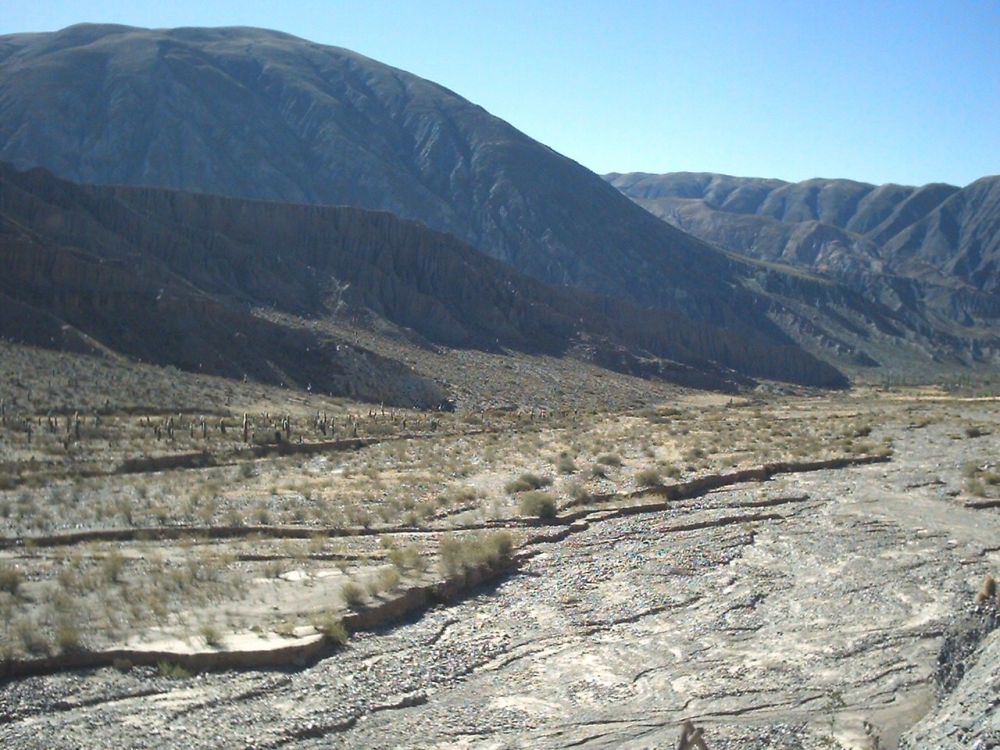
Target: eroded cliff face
[151, 271]
[72, 284]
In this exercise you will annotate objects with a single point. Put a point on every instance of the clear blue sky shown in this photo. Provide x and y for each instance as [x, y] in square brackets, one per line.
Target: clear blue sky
[892, 91]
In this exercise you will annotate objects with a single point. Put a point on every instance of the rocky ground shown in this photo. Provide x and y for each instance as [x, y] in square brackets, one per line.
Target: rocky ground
[802, 612]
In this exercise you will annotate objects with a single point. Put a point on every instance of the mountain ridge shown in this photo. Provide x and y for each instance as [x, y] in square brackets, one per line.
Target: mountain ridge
[939, 236]
[110, 258]
[370, 135]
[265, 116]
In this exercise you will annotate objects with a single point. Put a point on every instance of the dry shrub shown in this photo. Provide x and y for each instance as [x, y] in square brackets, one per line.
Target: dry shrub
[353, 594]
[566, 464]
[988, 591]
[538, 504]
[527, 482]
[460, 555]
[10, 579]
[647, 477]
[332, 628]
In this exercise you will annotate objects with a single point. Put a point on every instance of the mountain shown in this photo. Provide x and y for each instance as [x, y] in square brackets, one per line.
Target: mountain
[259, 114]
[175, 278]
[939, 235]
[255, 114]
[930, 253]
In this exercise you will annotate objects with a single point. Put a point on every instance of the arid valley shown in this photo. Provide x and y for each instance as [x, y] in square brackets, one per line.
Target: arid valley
[337, 411]
[586, 570]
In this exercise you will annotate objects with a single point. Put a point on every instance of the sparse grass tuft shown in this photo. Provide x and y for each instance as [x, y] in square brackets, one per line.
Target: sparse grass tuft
[353, 594]
[332, 628]
[171, 671]
[10, 579]
[649, 477]
[537, 503]
[526, 483]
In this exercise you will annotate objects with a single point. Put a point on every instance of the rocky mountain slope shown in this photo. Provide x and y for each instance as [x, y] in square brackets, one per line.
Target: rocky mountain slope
[257, 114]
[260, 114]
[939, 240]
[172, 277]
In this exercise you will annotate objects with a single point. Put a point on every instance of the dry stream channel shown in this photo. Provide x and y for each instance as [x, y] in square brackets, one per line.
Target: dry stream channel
[819, 623]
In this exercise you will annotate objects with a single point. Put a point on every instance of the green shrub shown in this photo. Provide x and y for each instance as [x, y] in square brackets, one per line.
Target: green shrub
[526, 483]
[538, 504]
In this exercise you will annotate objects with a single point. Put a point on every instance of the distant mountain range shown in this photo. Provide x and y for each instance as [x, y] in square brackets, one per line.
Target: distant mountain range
[255, 114]
[944, 238]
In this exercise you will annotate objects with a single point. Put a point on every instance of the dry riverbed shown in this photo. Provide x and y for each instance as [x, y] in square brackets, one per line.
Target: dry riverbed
[797, 612]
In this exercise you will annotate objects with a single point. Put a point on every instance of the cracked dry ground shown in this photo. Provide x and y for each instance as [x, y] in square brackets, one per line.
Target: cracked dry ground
[612, 636]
